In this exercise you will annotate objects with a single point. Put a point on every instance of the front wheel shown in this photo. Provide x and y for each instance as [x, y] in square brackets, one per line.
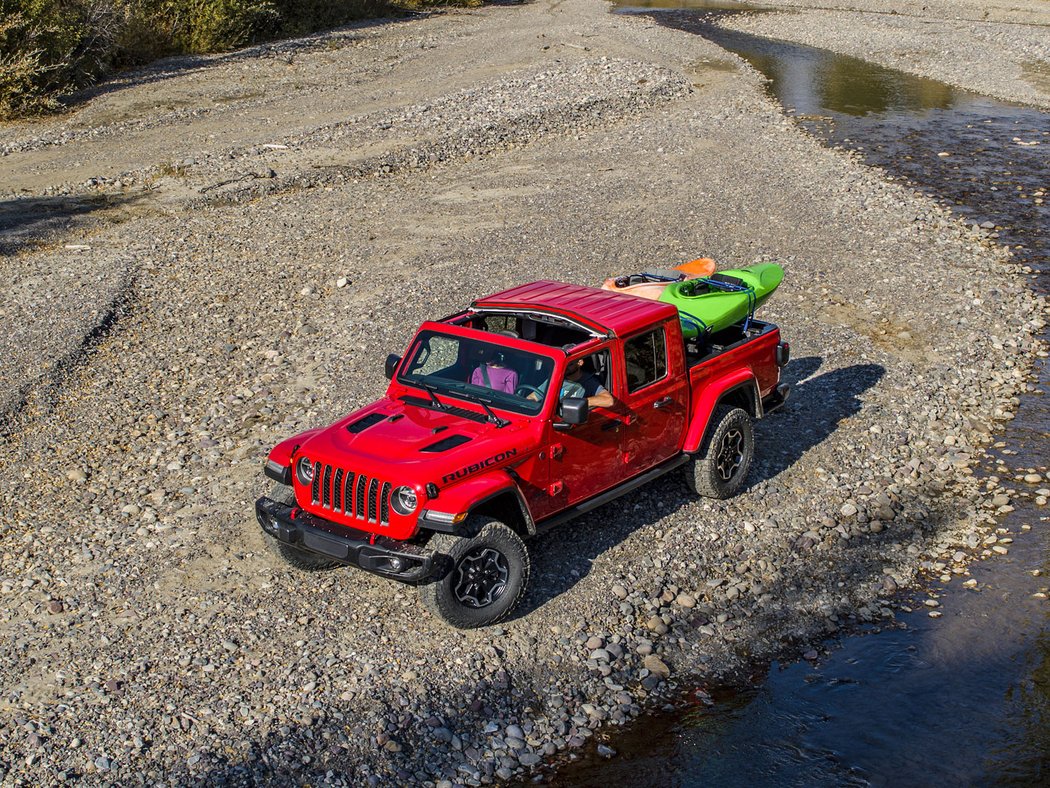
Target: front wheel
[720, 469]
[487, 576]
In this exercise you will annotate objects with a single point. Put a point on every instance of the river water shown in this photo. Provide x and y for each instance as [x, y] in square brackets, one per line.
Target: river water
[959, 699]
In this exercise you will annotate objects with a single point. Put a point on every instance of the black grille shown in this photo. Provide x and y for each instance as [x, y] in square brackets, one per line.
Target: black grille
[348, 490]
[353, 494]
[373, 489]
[359, 497]
[326, 487]
[384, 503]
[337, 490]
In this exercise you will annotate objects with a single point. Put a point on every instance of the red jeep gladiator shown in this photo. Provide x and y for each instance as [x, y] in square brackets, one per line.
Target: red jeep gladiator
[533, 406]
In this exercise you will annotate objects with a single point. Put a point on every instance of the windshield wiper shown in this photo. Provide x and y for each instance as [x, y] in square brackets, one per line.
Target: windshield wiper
[430, 388]
[492, 415]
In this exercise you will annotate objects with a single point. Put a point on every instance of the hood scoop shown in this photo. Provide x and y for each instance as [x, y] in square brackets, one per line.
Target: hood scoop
[451, 442]
[364, 423]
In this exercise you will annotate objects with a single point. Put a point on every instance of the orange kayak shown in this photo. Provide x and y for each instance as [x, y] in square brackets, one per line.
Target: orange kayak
[651, 284]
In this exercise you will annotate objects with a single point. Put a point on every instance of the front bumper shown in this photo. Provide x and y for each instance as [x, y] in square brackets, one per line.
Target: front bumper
[379, 555]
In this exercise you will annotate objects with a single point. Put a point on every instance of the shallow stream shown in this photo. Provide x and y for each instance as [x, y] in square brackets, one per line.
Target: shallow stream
[963, 698]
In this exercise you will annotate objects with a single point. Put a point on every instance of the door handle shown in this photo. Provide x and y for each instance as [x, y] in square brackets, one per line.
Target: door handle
[663, 403]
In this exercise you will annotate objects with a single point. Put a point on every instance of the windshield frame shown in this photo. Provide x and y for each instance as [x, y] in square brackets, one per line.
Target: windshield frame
[464, 390]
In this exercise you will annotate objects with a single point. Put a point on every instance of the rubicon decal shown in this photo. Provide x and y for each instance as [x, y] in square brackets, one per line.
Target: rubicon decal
[477, 466]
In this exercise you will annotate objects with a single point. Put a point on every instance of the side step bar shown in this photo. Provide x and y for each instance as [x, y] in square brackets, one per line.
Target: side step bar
[614, 493]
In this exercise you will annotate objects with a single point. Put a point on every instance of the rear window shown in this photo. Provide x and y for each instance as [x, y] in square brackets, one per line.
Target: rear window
[645, 357]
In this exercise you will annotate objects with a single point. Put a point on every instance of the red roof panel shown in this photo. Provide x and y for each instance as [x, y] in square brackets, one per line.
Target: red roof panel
[617, 313]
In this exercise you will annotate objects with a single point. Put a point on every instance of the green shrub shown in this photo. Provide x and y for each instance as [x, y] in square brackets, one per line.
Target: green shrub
[49, 48]
[299, 17]
[144, 35]
[200, 26]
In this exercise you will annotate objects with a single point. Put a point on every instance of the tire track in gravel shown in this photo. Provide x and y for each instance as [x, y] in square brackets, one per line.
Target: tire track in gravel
[34, 365]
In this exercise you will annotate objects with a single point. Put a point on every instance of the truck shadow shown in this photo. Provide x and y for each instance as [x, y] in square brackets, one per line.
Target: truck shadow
[817, 405]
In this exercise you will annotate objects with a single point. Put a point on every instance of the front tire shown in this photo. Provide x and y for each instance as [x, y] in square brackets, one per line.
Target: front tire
[297, 557]
[488, 575]
[721, 467]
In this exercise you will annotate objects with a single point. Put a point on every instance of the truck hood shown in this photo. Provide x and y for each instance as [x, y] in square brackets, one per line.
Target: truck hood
[414, 444]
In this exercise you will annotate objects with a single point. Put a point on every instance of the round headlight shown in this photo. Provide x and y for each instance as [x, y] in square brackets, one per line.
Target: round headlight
[404, 500]
[304, 469]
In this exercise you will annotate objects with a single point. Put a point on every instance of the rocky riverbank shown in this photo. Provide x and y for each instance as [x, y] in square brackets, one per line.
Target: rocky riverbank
[242, 239]
[999, 49]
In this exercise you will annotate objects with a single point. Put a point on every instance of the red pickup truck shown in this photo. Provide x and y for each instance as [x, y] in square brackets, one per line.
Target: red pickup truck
[533, 406]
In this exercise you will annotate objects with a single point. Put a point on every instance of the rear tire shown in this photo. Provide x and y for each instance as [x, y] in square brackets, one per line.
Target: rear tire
[297, 557]
[488, 575]
[721, 467]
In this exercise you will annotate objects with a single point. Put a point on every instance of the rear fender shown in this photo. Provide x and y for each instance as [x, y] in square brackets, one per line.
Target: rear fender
[740, 382]
[494, 494]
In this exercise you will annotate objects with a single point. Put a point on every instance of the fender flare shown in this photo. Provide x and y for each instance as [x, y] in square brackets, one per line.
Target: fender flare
[709, 399]
[279, 460]
[472, 494]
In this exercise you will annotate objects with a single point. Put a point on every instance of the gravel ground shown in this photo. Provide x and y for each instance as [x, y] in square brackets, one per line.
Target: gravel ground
[999, 48]
[242, 266]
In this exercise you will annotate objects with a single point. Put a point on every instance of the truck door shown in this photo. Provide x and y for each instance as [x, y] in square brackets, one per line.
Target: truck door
[655, 397]
[586, 459]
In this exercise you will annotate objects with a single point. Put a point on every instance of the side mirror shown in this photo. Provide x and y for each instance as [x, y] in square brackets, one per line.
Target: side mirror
[573, 410]
[391, 364]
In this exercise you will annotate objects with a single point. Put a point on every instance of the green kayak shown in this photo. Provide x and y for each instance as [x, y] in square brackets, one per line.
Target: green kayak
[718, 301]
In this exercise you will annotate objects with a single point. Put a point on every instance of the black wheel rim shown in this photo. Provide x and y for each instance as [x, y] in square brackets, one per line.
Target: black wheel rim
[730, 454]
[480, 577]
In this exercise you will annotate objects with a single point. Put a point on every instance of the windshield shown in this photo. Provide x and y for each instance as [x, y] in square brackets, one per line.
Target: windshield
[474, 369]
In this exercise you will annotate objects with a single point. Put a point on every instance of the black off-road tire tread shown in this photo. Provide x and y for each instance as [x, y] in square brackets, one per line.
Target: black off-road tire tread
[437, 596]
[294, 556]
[702, 476]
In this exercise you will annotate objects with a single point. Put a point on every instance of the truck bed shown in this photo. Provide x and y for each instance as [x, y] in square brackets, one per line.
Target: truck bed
[711, 347]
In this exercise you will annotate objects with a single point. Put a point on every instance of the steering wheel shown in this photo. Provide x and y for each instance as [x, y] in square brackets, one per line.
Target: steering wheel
[528, 390]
